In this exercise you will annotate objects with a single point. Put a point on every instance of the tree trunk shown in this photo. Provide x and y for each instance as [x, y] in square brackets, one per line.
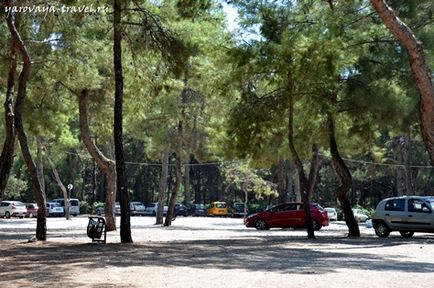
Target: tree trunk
[299, 166]
[344, 176]
[420, 70]
[163, 186]
[118, 128]
[178, 177]
[105, 164]
[59, 182]
[7, 155]
[289, 182]
[280, 173]
[246, 198]
[187, 192]
[41, 225]
[39, 162]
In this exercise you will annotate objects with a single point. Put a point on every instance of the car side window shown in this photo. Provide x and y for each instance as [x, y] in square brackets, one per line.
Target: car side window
[418, 206]
[395, 205]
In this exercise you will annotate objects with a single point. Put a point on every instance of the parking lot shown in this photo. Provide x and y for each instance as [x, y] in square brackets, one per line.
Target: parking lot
[212, 252]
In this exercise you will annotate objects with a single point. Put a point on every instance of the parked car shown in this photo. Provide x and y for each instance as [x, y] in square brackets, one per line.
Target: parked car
[137, 208]
[181, 210]
[197, 210]
[237, 210]
[331, 213]
[288, 215]
[100, 210]
[117, 208]
[151, 209]
[218, 209]
[359, 215]
[12, 208]
[406, 214]
[74, 205]
[54, 209]
[32, 210]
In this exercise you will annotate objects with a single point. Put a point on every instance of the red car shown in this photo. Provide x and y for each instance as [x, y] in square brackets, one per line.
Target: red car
[288, 215]
[32, 210]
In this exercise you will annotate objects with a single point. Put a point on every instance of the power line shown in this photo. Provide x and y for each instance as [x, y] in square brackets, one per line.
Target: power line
[218, 163]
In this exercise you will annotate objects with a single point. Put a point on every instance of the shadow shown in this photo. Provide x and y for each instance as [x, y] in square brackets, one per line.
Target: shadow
[53, 262]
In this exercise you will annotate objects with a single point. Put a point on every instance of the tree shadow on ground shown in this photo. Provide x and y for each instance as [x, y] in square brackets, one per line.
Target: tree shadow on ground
[52, 262]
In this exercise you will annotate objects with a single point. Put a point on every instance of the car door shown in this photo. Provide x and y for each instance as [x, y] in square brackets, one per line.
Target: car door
[277, 216]
[395, 214]
[419, 215]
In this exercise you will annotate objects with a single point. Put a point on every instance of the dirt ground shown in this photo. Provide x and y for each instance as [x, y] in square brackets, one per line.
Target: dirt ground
[210, 252]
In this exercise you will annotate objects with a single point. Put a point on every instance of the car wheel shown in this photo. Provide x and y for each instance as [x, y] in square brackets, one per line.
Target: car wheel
[261, 225]
[406, 234]
[154, 214]
[315, 225]
[7, 214]
[382, 230]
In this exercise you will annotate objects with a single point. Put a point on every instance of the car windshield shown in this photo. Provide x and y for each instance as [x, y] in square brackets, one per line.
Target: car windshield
[200, 206]
[55, 205]
[220, 205]
[18, 204]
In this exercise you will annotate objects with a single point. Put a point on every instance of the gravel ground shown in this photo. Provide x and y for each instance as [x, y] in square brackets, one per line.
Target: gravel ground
[211, 252]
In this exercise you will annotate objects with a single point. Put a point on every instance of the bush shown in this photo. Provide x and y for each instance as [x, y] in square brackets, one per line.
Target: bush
[84, 207]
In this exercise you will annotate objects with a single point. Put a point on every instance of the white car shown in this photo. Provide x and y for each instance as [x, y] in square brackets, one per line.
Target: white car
[137, 208]
[331, 213]
[74, 205]
[359, 215]
[151, 209]
[12, 208]
[54, 209]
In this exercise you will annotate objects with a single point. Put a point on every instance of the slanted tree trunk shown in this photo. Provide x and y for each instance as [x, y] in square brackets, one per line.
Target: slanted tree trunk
[162, 186]
[105, 164]
[344, 177]
[6, 157]
[118, 129]
[58, 180]
[41, 225]
[419, 68]
[178, 177]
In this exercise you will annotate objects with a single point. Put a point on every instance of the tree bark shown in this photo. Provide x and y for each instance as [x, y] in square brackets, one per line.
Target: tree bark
[419, 68]
[344, 176]
[39, 162]
[59, 181]
[178, 177]
[105, 164]
[41, 225]
[280, 175]
[162, 186]
[187, 192]
[6, 157]
[299, 166]
[118, 128]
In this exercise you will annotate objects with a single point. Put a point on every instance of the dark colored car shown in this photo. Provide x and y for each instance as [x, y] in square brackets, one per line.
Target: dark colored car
[181, 210]
[237, 210]
[288, 215]
[197, 210]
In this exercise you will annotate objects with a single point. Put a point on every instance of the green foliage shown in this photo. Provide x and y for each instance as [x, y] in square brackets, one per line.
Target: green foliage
[15, 188]
[242, 177]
